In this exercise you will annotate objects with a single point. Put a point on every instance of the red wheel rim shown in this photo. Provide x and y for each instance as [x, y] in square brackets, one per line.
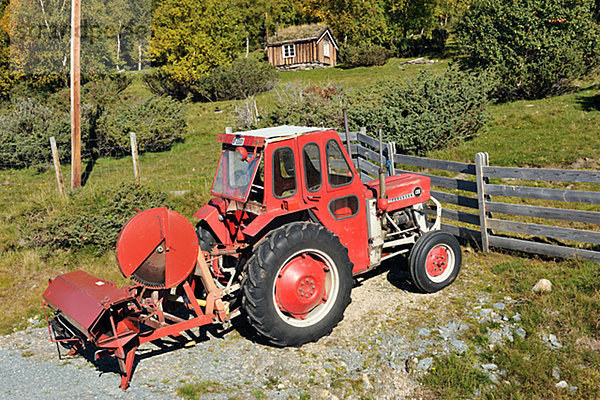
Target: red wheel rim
[439, 263]
[305, 287]
[300, 285]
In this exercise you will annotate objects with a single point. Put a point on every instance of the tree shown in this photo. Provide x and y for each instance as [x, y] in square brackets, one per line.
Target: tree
[535, 48]
[357, 21]
[407, 17]
[193, 36]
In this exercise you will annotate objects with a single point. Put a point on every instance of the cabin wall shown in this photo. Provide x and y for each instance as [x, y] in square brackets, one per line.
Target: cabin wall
[331, 60]
[305, 53]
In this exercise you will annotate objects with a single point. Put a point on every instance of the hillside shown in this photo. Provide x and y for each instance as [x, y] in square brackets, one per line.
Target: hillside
[560, 132]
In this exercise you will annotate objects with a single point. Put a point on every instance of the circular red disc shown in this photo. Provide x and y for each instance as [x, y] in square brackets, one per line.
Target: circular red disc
[165, 235]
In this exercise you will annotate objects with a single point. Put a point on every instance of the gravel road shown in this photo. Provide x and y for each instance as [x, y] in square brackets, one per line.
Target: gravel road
[378, 351]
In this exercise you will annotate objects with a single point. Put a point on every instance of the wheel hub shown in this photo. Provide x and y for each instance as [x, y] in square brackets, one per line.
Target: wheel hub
[437, 261]
[300, 285]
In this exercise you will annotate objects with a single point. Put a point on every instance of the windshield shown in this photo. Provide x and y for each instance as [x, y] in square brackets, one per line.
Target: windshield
[234, 175]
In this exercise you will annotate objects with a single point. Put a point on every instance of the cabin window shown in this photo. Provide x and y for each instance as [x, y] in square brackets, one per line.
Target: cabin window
[312, 167]
[289, 51]
[338, 169]
[326, 48]
[284, 173]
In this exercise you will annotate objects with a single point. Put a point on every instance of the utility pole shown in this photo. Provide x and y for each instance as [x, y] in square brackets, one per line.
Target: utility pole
[75, 94]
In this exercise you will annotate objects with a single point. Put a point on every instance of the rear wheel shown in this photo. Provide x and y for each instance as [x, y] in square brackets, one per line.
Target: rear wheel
[435, 261]
[297, 284]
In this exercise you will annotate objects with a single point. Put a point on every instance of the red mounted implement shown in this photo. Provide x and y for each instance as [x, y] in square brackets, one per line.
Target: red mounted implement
[289, 226]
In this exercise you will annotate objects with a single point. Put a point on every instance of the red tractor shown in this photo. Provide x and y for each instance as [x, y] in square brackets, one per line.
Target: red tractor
[289, 226]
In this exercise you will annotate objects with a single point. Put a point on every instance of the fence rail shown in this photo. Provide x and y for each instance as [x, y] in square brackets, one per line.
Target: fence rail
[489, 217]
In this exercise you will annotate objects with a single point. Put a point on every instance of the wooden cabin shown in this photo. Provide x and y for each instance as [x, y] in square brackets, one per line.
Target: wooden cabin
[302, 47]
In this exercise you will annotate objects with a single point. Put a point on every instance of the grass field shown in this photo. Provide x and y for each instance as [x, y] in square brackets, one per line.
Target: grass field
[557, 132]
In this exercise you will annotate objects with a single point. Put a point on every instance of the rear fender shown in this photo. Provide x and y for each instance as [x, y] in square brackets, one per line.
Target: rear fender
[271, 220]
[209, 215]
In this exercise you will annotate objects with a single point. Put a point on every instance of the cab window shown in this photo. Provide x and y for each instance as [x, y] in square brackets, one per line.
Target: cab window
[312, 167]
[338, 171]
[284, 173]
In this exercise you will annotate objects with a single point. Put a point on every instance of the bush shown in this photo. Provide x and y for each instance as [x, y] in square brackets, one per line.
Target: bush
[27, 126]
[90, 218]
[107, 118]
[303, 104]
[243, 78]
[158, 122]
[536, 48]
[425, 113]
[422, 114]
[364, 55]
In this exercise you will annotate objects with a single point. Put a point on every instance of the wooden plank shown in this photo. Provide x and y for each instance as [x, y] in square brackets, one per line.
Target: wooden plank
[575, 196]
[463, 233]
[455, 199]
[460, 216]
[368, 167]
[343, 135]
[134, 157]
[576, 235]
[75, 79]
[435, 164]
[450, 183]
[564, 214]
[363, 138]
[365, 178]
[543, 248]
[367, 153]
[481, 161]
[558, 175]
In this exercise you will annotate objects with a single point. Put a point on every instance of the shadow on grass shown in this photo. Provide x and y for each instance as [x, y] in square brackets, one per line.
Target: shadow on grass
[589, 103]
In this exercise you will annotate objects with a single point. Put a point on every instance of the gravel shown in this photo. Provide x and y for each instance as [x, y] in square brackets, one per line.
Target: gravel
[390, 337]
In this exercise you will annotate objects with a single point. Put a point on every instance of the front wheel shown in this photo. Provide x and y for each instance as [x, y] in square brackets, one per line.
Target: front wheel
[297, 284]
[435, 261]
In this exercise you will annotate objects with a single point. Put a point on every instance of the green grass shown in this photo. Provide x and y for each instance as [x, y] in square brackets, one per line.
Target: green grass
[553, 132]
[571, 312]
[193, 391]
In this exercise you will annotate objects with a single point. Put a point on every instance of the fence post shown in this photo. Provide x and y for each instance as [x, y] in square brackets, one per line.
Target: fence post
[134, 157]
[228, 130]
[56, 160]
[482, 160]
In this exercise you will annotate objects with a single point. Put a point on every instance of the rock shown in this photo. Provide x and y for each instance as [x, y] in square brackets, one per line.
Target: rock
[489, 367]
[495, 337]
[572, 388]
[556, 373]
[499, 306]
[425, 364]
[521, 332]
[485, 311]
[542, 286]
[423, 332]
[459, 346]
[366, 381]
[562, 385]
[554, 341]
[517, 317]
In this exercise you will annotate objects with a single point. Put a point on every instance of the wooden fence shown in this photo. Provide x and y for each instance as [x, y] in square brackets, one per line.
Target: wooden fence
[475, 195]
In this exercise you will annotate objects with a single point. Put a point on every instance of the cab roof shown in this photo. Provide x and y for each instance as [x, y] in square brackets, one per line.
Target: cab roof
[267, 135]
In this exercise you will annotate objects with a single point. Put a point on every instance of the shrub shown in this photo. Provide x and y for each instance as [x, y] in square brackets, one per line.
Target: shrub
[243, 78]
[536, 48]
[303, 104]
[364, 55]
[27, 126]
[90, 217]
[425, 113]
[421, 114]
[158, 123]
